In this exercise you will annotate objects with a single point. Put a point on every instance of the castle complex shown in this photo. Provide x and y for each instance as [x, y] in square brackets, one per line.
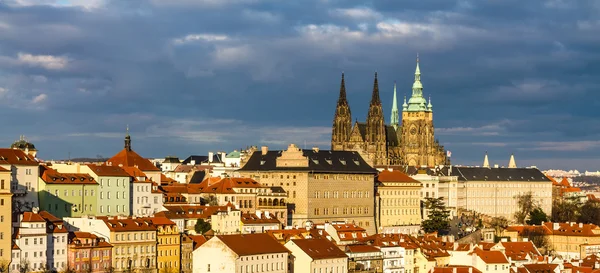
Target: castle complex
[410, 143]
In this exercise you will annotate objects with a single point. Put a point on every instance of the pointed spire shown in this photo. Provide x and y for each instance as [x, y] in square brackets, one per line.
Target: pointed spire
[429, 106]
[417, 70]
[486, 162]
[375, 98]
[511, 162]
[395, 119]
[342, 99]
[404, 105]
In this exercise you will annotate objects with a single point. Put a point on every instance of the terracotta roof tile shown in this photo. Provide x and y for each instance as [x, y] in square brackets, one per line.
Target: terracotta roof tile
[16, 157]
[32, 217]
[105, 170]
[252, 244]
[491, 256]
[459, 269]
[127, 224]
[252, 218]
[129, 158]
[319, 249]
[3, 169]
[394, 176]
[51, 176]
[517, 251]
[284, 235]
[540, 268]
[361, 249]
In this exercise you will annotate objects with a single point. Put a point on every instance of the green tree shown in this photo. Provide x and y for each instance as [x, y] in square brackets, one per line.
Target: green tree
[538, 238]
[526, 205]
[437, 216]
[537, 216]
[590, 212]
[202, 226]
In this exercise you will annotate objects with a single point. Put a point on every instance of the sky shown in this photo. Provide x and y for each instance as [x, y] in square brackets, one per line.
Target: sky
[193, 76]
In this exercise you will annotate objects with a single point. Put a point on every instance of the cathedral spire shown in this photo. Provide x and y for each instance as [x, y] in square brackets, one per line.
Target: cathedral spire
[127, 140]
[395, 119]
[417, 102]
[375, 98]
[342, 99]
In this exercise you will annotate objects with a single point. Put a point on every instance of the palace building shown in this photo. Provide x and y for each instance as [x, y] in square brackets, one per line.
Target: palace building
[410, 142]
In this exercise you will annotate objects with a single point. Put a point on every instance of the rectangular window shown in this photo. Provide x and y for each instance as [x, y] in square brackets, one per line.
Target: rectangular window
[2, 184]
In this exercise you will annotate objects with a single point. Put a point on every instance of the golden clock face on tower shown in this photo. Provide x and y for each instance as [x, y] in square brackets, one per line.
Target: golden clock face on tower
[413, 131]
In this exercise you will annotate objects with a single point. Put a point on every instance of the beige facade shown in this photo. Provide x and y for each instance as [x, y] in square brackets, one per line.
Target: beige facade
[317, 191]
[226, 222]
[24, 178]
[5, 217]
[399, 199]
[317, 255]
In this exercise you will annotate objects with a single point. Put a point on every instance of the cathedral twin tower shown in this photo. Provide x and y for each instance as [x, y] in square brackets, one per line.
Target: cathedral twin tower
[410, 143]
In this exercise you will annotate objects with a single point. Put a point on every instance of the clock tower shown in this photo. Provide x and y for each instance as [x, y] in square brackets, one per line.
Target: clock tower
[418, 144]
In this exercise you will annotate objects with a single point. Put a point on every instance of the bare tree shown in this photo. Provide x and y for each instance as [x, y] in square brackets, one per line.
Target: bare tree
[24, 266]
[109, 269]
[499, 224]
[4, 266]
[537, 236]
[526, 205]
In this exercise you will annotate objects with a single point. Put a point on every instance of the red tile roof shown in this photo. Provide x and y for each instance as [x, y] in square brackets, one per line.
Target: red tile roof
[574, 229]
[253, 219]
[518, 251]
[105, 170]
[51, 176]
[77, 239]
[32, 217]
[129, 158]
[198, 240]
[252, 244]
[137, 174]
[16, 157]
[540, 268]
[459, 269]
[491, 256]
[127, 224]
[226, 185]
[590, 261]
[284, 235]
[3, 169]
[319, 249]
[394, 176]
[361, 249]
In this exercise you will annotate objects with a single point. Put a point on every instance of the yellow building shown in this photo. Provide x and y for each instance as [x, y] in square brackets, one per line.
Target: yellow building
[322, 185]
[5, 217]
[399, 199]
[134, 244]
[168, 253]
[568, 240]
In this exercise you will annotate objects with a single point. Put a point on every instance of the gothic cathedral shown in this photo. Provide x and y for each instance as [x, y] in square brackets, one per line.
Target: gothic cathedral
[411, 143]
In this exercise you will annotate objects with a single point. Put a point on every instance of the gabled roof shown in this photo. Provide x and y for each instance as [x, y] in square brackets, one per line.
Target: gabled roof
[197, 158]
[253, 219]
[490, 256]
[129, 158]
[319, 249]
[518, 251]
[284, 235]
[226, 185]
[459, 269]
[30, 217]
[323, 161]
[105, 170]
[2, 169]
[252, 244]
[540, 267]
[51, 176]
[136, 173]
[590, 261]
[127, 224]
[16, 157]
[198, 240]
[361, 249]
[395, 176]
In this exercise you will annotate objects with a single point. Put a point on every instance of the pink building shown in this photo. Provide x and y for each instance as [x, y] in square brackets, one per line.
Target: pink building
[88, 252]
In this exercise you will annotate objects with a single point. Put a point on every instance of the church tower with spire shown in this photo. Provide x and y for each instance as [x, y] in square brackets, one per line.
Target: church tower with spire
[376, 137]
[342, 121]
[418, 144]
[409, 143]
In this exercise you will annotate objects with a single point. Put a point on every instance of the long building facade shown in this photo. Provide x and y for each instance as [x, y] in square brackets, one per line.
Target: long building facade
[322, 185]
[411, 142]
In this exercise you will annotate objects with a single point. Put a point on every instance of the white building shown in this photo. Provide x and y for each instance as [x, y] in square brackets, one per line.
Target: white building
[57, 240]
[31, 238]
[247, 253]
[317, 255]
[24, 178]
[146, 197]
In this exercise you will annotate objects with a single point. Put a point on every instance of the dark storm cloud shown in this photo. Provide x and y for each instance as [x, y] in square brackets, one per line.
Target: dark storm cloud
[192, 76]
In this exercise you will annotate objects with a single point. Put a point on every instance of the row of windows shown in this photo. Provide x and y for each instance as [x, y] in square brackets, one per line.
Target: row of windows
[81, 192]
[128, 250]
[400, 202]
[69, 207]
[400, 212]
[169, 264]
[95, 253]
[120, 182]
[394, 192]
[121, 208]
[170, 252]
[346, 194]
[335, 211]
[120, 195]
[149, 235]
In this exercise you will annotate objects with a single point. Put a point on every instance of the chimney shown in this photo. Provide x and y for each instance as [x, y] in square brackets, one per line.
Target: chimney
[264, 150]
[267, 214]
[470, 269]
[228, 209]
[192, 162]
[524, 239]
[571, 223]
[509, 261]
[210, 157]
[555, 226]
[454, 270]
[258, 214]
[316, 149]
[223, 154]
[504, 240]
[580, 225]
[496, 166]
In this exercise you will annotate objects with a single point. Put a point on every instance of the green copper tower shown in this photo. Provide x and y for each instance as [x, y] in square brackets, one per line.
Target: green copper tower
[395, 119]
[417, 102]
